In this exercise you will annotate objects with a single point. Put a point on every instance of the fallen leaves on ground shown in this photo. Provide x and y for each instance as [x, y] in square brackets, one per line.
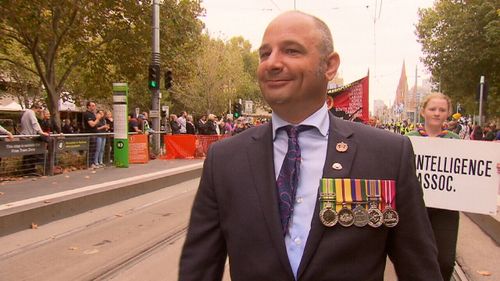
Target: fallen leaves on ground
[103, 242]
[46, 201]
[73, 248]
[34, 225]
[91, 252]
[484, 272]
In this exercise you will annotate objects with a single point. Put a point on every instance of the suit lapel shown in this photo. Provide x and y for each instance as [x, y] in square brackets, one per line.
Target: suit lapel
[260, 155]
[338, 133]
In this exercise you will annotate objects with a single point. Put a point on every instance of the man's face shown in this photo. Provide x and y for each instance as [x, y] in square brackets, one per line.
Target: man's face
[292, 69]
[91, 107]
[372, 122]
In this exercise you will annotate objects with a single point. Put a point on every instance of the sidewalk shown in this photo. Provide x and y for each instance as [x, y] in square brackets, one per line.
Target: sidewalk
[478, 249]
[478, 255]
[44, 199]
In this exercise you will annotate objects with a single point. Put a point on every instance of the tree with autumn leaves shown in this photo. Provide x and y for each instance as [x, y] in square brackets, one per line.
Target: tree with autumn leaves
[461, 42]
[83, 46]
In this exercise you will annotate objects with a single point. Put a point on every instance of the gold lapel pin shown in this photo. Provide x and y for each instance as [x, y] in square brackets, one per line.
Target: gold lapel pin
[337, 166]
[342, 147]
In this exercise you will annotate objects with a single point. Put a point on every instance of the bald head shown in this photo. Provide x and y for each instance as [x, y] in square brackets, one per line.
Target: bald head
[325, 44]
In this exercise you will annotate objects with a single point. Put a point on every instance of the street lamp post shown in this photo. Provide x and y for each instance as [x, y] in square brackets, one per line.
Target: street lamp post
[481, 92]
[417, 97]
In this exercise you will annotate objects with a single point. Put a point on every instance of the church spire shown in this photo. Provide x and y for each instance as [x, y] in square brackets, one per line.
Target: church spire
[401, 91]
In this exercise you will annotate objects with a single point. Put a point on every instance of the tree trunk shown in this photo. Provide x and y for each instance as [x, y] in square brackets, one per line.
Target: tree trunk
[53, 105]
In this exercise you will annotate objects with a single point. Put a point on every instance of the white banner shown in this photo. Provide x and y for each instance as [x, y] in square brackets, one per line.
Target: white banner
[458, 174]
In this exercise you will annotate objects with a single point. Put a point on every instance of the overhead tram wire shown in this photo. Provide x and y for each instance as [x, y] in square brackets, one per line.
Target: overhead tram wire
[277, 7]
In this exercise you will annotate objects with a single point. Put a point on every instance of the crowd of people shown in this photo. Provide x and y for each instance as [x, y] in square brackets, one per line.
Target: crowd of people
[209, 124]
[36, 121]
[462, 126]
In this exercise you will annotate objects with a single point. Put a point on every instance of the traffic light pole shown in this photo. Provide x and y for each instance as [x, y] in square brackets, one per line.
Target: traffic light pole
[156, 95]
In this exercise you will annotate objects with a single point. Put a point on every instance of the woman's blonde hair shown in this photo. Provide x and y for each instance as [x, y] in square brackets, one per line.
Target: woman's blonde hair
[436, 95]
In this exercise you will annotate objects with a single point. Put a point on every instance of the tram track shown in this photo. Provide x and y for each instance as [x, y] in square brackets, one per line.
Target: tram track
[114, 269]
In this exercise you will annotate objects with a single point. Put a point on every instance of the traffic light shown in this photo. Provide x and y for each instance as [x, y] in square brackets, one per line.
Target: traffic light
[237, 110]
[168, 79]
[154, 77]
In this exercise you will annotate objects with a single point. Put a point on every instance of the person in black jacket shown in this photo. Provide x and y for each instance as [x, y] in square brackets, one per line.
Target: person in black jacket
[67, 128]
[201, 125]
[174, 126]
[190, 128]
[210, 125]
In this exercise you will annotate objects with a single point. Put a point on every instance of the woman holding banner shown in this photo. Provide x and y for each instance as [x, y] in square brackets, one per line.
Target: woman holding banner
[435, 109]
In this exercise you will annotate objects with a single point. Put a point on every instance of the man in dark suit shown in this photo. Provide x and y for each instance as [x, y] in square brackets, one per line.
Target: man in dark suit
[240, 212]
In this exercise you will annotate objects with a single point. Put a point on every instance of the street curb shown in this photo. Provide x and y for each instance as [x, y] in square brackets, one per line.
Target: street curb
[488, 224]
[42, 211]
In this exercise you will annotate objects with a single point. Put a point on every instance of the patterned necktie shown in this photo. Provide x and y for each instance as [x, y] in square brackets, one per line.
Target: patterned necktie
[288, 178]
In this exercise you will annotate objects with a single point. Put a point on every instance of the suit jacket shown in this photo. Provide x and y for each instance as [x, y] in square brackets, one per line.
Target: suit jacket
[235, 214]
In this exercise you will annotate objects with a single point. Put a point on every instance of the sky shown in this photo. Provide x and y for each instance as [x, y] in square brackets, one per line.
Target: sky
[368, 34]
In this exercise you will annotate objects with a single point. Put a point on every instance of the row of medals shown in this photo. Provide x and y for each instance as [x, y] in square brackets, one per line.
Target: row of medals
[359, 216]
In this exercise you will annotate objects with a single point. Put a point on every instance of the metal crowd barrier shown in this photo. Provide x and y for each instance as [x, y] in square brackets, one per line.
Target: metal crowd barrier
[34, 155]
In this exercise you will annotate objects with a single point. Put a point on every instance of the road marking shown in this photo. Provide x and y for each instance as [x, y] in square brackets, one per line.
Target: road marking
[169, 172]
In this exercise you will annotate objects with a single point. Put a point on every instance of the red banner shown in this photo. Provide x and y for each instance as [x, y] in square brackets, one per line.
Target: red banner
[138, 149]
[180, 146]
[189, 146]
[350, 102]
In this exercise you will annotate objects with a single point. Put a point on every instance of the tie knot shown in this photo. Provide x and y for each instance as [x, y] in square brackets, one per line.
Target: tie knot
[293, 131]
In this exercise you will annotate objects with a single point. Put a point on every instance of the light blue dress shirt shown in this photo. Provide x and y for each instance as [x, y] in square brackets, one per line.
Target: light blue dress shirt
[313, 145]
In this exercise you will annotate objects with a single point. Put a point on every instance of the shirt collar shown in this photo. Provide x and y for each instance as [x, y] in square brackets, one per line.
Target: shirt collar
[318, 119]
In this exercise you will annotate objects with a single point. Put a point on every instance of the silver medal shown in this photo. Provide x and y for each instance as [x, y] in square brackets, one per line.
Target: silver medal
[375, 217]
[346, 216]
[360, 216]
[328, 217]
[391, 217]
